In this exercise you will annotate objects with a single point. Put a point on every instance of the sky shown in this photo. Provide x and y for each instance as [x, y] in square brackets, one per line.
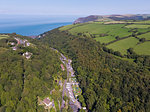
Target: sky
[74, 7]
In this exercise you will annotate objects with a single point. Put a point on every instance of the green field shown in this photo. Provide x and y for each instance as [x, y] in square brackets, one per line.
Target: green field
[143, 30]
[105, 39]
[66, 27]
[137, 26]
[146, 36]
[98, 28]
[143, 48]
[123, 45]
[114, 30]
[3, 36]
[111, 30]
[143, 22]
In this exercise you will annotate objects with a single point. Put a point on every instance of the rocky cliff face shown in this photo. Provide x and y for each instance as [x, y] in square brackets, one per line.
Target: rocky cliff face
[112, 17]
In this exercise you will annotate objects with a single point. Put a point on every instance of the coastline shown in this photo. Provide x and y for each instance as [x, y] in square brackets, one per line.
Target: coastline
[32, 30]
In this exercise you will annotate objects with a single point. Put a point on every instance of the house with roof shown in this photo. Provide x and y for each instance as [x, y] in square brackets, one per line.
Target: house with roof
[14, 48]
[84, 108]
[23, 42]
[27, 55]
[47, 102]
[62, 67]
[12, 43]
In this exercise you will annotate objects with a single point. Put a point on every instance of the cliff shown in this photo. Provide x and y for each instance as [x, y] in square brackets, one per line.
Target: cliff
[112, 17]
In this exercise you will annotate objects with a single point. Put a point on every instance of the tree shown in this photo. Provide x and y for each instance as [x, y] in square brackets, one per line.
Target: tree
[117, 53]
[69, 109]
[117, 37]
[81, 100]
[142, 40]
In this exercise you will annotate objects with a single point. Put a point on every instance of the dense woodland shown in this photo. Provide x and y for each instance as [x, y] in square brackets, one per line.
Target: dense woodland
[22, 81]
[109, 84]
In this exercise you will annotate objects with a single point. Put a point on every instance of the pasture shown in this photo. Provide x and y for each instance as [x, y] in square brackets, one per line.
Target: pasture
[142, 22]
[143, 30]
[106, 32]
[143, 48]
[137, 26]
[66, 27]
[93, 28]
[105, 39]
[123, 45]
[146, 36]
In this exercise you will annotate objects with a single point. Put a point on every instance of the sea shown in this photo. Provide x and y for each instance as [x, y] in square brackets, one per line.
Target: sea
[32, 25]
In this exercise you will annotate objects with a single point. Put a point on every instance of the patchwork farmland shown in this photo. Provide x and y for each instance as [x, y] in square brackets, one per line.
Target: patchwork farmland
[116, 35]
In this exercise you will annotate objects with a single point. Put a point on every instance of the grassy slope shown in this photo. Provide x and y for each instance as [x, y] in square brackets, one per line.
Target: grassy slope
[143, 48]
[113, 30]
[105, 39]
[143, 30]
[93, 28]
[126, 59]
[137, 26]
[143, 22]
[146, 36]
[66, 27]
[123, 45]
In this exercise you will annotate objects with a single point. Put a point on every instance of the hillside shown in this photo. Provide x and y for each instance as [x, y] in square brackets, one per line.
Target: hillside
[108, 83]
[119, 36]
[28, 74]
[112, 17]
[101, 66]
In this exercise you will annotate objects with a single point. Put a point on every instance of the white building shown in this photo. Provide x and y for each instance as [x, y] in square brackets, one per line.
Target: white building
[84, 108]
[27, 55]
[27, 44]
[12, 43]
[14, 48]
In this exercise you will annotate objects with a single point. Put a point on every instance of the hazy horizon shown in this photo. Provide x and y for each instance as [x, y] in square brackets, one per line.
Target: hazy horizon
[32, 25]
[74, 7]
[20, 16]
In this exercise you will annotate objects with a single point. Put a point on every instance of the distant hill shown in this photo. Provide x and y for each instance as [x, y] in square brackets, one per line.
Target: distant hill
[112, 17]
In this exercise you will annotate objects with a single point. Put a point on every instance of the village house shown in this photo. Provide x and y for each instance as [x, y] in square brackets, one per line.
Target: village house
[75, 83]
[39, 36]
[23, 42]
[47, 102]
[12, 43]
[27, 55]
[14, 48]
[62, 67]
[84, 108]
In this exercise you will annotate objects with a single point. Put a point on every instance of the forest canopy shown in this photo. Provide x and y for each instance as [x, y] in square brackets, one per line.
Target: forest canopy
[109, 84]
[22, 81]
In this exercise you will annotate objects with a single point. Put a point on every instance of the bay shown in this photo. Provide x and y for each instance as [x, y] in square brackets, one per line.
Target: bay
[32, 25]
